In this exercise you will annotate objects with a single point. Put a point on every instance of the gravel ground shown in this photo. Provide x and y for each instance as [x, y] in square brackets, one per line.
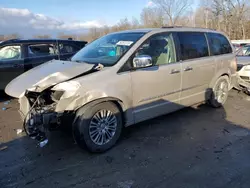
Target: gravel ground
[191, 148]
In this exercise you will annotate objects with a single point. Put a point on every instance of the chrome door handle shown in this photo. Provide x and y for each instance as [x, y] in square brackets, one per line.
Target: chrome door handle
[175, 71]
[188, 69]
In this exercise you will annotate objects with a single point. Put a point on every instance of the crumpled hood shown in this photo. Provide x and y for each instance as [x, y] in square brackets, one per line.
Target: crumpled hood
[46, 75]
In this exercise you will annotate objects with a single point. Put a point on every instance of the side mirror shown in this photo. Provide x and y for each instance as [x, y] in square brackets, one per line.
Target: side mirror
[142, 61]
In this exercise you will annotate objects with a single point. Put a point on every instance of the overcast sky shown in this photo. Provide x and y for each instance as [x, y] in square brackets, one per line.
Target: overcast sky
[30, 17]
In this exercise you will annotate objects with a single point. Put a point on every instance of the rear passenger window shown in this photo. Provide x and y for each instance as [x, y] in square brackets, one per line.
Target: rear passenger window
[192, 45]
[39, 50]
[219, 44]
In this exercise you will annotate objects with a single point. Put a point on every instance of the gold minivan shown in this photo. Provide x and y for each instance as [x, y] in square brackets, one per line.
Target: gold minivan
[124, 78]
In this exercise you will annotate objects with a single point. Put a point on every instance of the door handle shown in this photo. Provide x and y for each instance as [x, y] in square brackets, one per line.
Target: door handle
[188, 69]
[175, 71]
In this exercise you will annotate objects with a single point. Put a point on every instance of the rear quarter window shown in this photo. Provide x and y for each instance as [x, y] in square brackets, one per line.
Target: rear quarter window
[192, 45]
[219, 44]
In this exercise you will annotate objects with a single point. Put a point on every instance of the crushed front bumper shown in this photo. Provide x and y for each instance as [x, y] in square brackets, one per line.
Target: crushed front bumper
[37, 124]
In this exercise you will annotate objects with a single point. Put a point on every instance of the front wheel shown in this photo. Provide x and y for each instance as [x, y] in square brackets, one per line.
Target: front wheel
[98, 127]
[220, 92]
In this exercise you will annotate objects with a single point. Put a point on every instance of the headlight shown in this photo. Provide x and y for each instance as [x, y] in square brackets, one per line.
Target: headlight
[70, 88]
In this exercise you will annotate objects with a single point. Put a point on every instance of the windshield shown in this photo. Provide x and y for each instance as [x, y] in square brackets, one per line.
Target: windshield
[108, 49]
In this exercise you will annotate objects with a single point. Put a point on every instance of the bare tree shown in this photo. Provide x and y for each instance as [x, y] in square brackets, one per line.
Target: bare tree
[152, 17]
[42, 36]
[173, 9]
[65, 36]
[11, 36]
[135, 23]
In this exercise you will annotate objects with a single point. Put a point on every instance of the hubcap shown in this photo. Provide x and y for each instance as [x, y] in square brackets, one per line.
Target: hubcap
[102, 127]
[221, 91]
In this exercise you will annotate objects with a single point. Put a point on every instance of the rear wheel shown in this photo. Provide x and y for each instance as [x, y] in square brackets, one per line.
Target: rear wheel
[220, 92]
[98, 127]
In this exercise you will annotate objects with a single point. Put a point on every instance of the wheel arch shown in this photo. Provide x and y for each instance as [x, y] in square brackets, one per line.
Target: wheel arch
[119, 104]
[218, 75]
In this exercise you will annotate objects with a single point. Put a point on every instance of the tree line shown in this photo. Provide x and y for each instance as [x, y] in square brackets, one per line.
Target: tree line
[229, 16]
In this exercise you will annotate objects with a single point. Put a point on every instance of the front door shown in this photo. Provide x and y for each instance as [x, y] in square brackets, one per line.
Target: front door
[198, 68]
[156, 89]
[11, 64]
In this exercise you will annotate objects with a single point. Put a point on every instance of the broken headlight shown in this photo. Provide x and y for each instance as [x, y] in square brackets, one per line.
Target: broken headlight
[69, 88]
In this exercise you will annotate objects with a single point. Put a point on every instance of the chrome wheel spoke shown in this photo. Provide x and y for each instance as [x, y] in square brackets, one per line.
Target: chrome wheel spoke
[111, 128]
[94, 133]
[93, 124]
[97, 117]
[109, 115]
[221, 92]
[109, 135]
[102, 127]
[97, 138]
[112, 120]
[102, 139]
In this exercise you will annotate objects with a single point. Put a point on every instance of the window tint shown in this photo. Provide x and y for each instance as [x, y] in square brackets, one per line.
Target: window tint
[160, 48]
[68, 48]
[192, 45]
[10, 53]
[219, 44]
[37, 50]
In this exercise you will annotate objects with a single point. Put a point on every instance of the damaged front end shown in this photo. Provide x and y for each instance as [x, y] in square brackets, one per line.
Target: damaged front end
[40, 116]
[48, 95]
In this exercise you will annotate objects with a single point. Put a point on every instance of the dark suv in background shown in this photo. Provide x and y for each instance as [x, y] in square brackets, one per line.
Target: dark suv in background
[18, 56]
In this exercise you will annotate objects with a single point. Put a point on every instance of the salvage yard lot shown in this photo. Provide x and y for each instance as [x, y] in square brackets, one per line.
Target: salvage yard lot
[194, 147]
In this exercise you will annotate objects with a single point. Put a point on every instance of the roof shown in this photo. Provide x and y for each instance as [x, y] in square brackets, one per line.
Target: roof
[22, 41]
[177, 28]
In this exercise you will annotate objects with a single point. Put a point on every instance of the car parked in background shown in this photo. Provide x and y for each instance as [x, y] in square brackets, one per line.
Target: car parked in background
[124, 78]
[243, 67]
[18, 56]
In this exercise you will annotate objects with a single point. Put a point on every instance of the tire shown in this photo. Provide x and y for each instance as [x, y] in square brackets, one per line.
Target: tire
[214, 100]
[86, 123]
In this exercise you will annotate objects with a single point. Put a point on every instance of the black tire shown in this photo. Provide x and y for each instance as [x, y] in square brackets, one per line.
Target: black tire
[81, 127]
[212, 100]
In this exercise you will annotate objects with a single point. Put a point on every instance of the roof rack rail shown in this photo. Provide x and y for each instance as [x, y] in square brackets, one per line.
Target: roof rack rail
[165, 27]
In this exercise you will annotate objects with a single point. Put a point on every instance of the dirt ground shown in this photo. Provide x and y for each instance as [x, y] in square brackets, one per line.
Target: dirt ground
[192, 148]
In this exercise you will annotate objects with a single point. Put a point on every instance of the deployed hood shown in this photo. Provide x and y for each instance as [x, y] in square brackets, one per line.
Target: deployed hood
[46, 75]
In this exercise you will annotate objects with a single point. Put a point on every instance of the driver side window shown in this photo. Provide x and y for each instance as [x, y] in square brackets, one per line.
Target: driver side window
[160, 48]
[10, 53]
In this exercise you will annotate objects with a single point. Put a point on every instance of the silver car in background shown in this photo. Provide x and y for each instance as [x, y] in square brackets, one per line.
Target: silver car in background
[124, 78]
[243, 68]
